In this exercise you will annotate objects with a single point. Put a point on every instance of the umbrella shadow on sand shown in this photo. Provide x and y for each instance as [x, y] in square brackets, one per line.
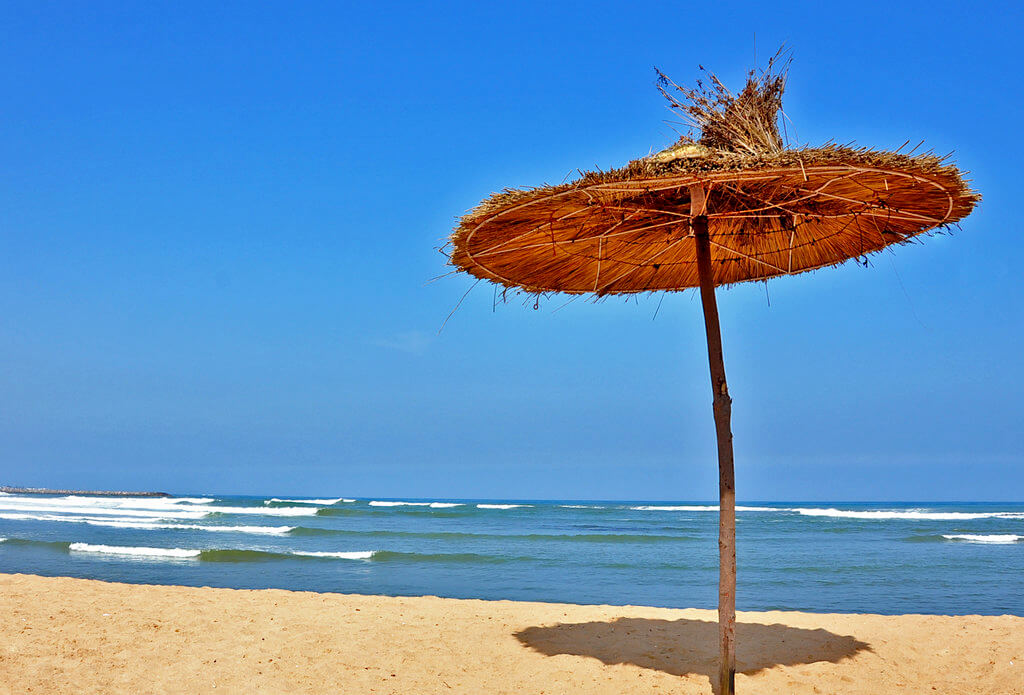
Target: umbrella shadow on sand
[682, 647]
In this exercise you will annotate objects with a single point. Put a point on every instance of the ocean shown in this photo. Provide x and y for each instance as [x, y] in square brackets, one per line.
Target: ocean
[837, 557]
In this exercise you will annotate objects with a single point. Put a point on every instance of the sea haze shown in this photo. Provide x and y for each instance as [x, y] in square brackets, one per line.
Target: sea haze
[880, 558]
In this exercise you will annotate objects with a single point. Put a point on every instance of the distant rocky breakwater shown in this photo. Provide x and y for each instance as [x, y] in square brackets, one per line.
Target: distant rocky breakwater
[90, 493]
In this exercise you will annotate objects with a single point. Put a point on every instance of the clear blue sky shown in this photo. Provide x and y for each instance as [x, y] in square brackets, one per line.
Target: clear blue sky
[218, 221]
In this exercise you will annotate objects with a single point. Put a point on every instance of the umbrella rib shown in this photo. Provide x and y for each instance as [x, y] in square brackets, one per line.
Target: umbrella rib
[868, 211]
[781, 206]
[520, 236]
[884, 206]
[497, 250]
[841, 230]
[682, 181]
[758, 175]
[659, 211]
[639, 265]
[814, 242]
[885, 229]
[507, 280]
[768, 204]
[750, 258]
[846, 171]
[811, 194]
[605, 235]
[920, 217]
[792, 236]
[618, 224]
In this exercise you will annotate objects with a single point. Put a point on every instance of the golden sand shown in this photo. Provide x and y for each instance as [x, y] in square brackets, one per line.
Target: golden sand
[63, 635]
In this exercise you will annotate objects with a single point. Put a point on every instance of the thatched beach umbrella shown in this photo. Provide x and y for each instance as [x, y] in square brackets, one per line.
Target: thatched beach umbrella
[734, 205]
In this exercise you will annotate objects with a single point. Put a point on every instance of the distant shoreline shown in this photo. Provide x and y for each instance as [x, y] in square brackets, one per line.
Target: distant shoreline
[87, 493]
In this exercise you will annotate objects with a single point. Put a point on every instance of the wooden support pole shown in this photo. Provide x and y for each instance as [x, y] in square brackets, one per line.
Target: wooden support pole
[722, 404]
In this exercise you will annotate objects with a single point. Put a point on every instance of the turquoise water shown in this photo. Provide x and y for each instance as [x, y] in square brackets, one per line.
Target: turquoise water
[881, 558]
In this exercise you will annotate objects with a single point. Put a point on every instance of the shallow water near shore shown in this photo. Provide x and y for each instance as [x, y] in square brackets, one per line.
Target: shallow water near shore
[844, 557]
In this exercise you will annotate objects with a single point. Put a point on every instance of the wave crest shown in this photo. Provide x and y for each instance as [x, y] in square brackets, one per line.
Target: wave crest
[991, 538]
[912, 514]
[133, 551]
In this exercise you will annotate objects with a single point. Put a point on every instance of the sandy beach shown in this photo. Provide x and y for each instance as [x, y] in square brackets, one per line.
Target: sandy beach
[63, 635]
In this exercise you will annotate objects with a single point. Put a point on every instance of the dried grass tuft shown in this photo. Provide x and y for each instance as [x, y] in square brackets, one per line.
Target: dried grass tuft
[746, 123]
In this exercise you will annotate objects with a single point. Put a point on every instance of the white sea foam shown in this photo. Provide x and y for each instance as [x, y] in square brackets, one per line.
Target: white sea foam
[702, 508]
[134, 551]
[186, 500]
[22, 516]
[266, 511]
[193, 553]
[501, 506]
[995, 538]
[348, 555]
[167, 513]
[172, 507]
[676, 508]
[130, 502]
[327, 502]
[579, 506]
[114, 522]
[138, 501]
[911, 514]
[435, 505]
[257, 530]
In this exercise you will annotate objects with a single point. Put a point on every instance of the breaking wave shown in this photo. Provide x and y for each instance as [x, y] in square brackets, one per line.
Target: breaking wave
[322, 502]
[133, 551]
[151, 508]
[266, 511]
[344, 555]
[207, 555]
[110, 511]
[145, 525]
[700, 508]
[912, 514]
[992, 538]
[431, 505]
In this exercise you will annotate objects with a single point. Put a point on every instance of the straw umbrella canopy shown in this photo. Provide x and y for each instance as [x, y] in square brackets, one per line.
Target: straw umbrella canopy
[733, 205]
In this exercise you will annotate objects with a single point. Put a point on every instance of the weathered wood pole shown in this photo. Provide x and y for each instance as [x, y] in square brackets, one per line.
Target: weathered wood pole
[726, 479]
